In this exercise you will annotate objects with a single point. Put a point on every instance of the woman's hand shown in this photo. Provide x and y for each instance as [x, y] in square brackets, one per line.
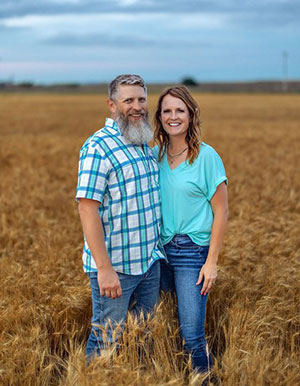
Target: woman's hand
[209, 273]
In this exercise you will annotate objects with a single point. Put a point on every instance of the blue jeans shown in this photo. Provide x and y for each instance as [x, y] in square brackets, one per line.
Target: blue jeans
[140, 290]
[180, 274]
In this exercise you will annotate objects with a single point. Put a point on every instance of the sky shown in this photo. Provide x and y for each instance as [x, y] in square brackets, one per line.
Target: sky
[92, 41]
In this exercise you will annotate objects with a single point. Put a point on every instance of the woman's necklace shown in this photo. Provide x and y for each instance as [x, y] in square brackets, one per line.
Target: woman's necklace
[174, 156]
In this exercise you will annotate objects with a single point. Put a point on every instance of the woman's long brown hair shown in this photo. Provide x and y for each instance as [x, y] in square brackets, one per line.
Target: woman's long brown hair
[193, 135]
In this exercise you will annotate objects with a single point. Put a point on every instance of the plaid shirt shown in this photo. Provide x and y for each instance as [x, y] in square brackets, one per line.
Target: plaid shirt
[125, 180]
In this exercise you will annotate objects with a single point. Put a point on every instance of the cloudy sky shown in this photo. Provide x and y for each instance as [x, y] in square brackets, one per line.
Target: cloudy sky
[48, 41]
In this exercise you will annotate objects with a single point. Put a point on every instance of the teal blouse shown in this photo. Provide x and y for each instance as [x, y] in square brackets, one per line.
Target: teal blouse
[186, 192]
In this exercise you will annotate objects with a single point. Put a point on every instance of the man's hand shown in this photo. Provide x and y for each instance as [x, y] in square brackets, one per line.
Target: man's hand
[109, 283]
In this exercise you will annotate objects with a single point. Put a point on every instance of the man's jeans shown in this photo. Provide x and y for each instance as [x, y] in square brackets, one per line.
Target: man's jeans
[140, 290]
[181, 274]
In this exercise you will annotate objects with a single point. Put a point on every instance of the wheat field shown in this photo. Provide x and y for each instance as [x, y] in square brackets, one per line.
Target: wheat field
[253, 313]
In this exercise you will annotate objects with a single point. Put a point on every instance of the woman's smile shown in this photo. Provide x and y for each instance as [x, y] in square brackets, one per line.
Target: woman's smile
[175, 116]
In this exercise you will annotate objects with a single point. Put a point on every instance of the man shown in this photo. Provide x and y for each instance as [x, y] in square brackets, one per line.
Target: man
[119, 207]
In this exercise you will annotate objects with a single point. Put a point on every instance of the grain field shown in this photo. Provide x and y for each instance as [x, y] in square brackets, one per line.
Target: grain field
[253, 312]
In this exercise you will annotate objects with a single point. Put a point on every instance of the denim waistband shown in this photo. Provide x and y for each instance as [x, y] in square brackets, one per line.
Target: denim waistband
[180, 237]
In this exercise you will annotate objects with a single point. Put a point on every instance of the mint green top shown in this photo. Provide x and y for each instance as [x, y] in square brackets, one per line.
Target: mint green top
[186, 192]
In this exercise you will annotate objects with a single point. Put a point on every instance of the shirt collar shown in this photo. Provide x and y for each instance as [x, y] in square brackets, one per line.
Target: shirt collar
[109, 122]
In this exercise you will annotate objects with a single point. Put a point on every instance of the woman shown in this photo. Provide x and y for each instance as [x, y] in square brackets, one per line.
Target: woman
[194, 214]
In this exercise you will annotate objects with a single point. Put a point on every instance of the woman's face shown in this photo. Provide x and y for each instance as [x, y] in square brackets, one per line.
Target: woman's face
[175, 117]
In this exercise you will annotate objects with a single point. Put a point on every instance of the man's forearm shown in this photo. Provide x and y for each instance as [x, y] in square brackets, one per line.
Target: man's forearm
[109, 283]
[93, 231]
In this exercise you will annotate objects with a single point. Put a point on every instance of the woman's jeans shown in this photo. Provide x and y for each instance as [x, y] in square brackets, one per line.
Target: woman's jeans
[180, 274]
[139, 291]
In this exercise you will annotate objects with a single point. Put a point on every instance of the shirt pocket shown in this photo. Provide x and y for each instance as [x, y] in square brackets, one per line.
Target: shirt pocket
[122, 182]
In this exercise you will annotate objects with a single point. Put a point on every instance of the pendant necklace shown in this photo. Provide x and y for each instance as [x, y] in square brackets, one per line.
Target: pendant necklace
[174, 156]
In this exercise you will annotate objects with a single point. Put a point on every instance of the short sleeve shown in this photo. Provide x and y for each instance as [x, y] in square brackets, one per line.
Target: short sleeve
[92, 174]
[214, 173]
[155, 152]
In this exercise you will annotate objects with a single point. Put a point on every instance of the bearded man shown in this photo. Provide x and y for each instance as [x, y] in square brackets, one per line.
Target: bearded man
[119, 207]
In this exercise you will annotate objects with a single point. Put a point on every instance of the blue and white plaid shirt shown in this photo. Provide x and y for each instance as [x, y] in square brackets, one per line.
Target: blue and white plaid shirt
[125, 180]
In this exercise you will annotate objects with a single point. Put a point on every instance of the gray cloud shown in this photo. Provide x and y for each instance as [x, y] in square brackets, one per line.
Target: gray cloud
[116, 41]
[255, 12]
[101, 40]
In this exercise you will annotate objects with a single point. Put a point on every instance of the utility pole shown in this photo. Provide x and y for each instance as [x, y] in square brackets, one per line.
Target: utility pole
[284, 83]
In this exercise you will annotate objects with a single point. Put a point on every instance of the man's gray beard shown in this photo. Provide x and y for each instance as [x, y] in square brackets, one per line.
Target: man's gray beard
[138, 133]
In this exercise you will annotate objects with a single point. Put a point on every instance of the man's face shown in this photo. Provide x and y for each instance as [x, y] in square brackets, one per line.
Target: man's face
[131, 102]
[130, 111]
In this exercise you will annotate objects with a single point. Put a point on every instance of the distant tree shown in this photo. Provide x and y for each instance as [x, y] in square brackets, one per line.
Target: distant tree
[65, 85]
[26, 84]
[70, 85]
[189, 81]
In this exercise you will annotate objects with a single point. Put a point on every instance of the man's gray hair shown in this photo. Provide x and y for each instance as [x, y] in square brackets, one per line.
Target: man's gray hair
[127, 79]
